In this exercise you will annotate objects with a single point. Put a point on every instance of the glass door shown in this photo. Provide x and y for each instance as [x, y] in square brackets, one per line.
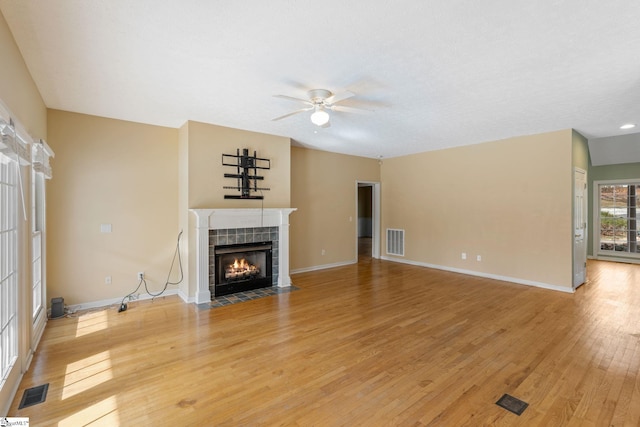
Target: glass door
[618, 219]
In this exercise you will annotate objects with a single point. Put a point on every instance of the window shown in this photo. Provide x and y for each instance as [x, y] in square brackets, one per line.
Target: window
[8, 265]
[37, 195]
[618, 208]
[18, 160]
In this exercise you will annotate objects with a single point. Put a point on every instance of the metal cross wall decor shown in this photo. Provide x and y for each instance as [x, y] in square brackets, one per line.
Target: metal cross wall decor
[246, 173]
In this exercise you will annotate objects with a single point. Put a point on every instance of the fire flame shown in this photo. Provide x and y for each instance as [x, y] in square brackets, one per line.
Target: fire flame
[241, 269]
[241, 265]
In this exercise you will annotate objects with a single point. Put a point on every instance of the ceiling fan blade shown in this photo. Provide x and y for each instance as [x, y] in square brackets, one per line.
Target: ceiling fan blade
[333, 99]
[291, 98]
[345, 109]
[291, 114]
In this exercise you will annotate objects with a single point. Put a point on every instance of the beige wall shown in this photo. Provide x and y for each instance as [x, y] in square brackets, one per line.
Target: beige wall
[509, 201]
[208, 142]
[17, 89]
[110, 172]
[183, 207]
[323, 189]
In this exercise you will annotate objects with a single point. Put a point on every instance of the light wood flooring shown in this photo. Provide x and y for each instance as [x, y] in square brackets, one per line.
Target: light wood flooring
[372, 344]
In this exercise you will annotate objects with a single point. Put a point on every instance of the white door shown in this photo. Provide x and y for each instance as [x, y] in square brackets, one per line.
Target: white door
[579, 227]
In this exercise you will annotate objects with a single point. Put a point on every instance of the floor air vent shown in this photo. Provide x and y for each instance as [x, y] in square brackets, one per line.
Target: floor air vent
[34, 395]
[395, 242]
[512, 404]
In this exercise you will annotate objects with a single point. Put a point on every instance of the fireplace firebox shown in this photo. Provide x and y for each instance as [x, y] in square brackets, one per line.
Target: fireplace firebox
[242, 267]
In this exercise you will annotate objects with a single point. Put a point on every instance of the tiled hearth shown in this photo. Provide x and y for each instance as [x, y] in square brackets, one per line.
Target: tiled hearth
[248, 296]
[240, 224]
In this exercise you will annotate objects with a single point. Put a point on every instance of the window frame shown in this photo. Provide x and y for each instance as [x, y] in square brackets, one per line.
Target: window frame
[41, 171]
[597, 251]
[9, 271]
[38, 280]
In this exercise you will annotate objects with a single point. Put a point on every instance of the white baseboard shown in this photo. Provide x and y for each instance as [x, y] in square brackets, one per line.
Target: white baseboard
[323, 267]
[186, 298]
[4, 410]
[485, 275]
[614, 259]
[111, 301]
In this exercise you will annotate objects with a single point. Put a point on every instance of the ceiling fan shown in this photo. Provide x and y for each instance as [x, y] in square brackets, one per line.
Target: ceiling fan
[320, 101]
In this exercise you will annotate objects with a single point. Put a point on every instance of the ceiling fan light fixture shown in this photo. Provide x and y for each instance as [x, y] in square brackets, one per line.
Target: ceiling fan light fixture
[628, 126]
[320, 117]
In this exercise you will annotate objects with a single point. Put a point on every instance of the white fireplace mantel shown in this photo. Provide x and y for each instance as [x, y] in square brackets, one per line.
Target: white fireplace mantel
[220, 219]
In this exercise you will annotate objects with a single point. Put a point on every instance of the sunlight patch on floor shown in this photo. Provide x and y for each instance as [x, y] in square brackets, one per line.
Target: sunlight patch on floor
[87, 373]
[104, 412]
[91, 322]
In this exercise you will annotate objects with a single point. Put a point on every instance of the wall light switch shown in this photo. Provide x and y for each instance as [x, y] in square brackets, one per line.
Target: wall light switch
[105, 228]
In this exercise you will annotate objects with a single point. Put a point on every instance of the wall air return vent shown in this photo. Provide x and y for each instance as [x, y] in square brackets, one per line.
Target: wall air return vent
[395, 242]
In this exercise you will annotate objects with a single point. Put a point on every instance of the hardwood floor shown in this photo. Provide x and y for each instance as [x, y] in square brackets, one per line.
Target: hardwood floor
[376, 343]
[364, 249]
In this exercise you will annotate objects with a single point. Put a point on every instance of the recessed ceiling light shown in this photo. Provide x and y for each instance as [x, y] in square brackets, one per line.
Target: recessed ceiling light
[628, 126]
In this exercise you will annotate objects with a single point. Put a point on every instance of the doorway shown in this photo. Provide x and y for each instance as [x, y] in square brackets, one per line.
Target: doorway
[579, 227]
[368, 220]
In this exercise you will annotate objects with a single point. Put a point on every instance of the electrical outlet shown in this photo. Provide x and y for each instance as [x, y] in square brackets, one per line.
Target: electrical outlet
[107, 280]
[464, 255]
[322, 252]
[479, 258]
[140, 275]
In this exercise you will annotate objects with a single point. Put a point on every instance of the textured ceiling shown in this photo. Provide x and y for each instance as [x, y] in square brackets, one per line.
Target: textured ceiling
[436, 73]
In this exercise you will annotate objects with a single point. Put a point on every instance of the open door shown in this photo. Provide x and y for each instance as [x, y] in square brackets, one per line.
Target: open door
[368, 220]
[579, 227]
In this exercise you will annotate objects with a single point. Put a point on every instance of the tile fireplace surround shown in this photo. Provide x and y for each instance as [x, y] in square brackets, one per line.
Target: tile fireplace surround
[227, 219]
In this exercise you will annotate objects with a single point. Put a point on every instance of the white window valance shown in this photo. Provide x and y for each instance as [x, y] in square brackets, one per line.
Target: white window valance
[40, 155]
[15, 142]
[16, 145]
